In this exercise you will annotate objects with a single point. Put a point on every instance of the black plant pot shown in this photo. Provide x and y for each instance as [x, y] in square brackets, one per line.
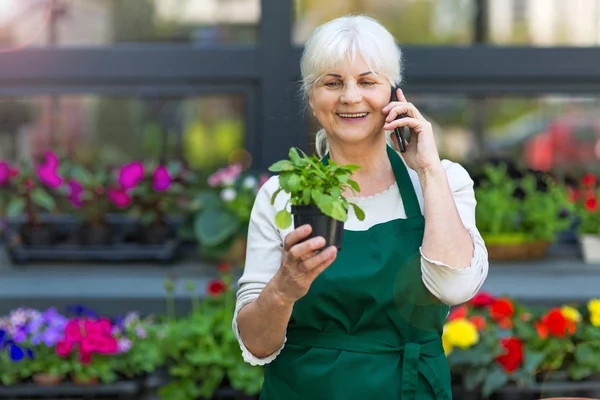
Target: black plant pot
[37, 235]
[157, 233]
[322, 225]
[95, 234]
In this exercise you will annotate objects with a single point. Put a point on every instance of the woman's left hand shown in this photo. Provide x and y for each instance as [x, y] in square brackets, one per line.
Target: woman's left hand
[421, 153]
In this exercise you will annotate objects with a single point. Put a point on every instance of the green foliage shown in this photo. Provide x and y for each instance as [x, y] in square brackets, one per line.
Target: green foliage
[309, 181]
[536, 216]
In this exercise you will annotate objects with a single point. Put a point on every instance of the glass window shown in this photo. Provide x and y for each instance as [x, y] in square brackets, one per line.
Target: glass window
[204, 130]
[544, 22]
[107, 22]
[452, 117]
[410, 21]
[553, 132]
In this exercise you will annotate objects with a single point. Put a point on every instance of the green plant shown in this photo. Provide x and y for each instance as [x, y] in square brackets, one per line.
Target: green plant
[201, 349]
[584, 197]
[527, 208]
[310, 181]
[219, 214]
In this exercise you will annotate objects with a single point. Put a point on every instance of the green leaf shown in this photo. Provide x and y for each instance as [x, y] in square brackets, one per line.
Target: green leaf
[42, 199]
[338, 211]
[15, 207]
[324, 202]
[294, 156]
[579, 372]
[290, 182]
[82, 175]
[533, 360]
[354, 185]
[215, 225]
[204, 200]
[360, 214]
[282, 165]
[275, 195]
[283, 219]
[494, 381]
[474, 378]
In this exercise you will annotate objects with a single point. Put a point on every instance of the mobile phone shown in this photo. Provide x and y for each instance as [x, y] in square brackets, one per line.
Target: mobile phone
[401, 131]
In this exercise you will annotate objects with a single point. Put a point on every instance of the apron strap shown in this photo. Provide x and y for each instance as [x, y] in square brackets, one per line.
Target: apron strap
[412, 354]
[407, 190]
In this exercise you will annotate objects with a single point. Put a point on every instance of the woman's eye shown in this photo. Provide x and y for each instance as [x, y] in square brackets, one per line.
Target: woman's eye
[332, 84]
[368, 83]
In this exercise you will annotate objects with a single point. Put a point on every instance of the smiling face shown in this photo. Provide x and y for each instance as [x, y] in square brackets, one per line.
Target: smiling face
[348, 101]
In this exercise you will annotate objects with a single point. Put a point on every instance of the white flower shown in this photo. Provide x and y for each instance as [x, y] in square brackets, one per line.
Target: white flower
[250, 182]
[124, 345]
[228, 194]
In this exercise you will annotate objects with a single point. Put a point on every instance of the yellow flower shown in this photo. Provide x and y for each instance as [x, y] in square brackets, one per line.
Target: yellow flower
[461, 333]
[595, 319]
[594, 306]
[447, 345]
[570, 313]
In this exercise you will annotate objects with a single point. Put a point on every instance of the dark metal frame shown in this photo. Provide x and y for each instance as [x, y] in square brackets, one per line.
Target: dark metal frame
[267, 74]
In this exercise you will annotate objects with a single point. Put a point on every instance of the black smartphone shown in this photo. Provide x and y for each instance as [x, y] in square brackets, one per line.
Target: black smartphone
[399, 132]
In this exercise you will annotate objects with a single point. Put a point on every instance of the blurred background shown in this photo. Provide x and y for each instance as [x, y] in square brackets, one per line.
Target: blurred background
[134, 135]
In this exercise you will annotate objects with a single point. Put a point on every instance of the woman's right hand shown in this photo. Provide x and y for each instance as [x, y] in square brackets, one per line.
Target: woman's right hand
[301, 264]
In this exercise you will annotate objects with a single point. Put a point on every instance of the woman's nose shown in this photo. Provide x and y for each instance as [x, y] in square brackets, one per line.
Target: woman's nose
[350, 95]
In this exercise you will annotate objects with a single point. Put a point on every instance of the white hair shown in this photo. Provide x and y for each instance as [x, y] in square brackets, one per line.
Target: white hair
[340, 40]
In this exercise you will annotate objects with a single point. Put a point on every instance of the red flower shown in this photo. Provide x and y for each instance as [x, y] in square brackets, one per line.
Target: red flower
[588, 180]
[458, 312]
[555, 323]
[216, 287]
[482, 299]
[501, 309]
[542, 330]
[478, 321]
[64, 348]
[591, 204]
[573, 194]
[224, 267]
[512, 359]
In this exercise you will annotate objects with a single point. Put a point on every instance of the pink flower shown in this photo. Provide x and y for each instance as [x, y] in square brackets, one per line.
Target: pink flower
[64, 348]
[75, 192]
[124, 345]
[5, 172]
[131, 174]
[73, 330]
[225, 176]
[263, 179]
[119, 197]
[48, 171]
[161, 180]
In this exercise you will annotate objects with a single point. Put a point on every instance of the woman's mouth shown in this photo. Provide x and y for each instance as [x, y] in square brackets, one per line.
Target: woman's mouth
[352, 117]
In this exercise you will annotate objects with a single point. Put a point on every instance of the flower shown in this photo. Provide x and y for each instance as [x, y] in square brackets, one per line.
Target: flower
[48, 171]
[591, 204]
[249, 182]
[228, 194]
[571, 313]
[119, 197]
[216, 287]
[161, 179]
[5, 172]
[501, 310]
[458, 312]
[478, 321]
[461, 333]
[512, 358]
[75, 192]
[555, 324]
[124, 345]
[224, 267]
[482, 299]
[225, 176]
[89, 336]
[131, 174]
[588, 180]
[594, 309]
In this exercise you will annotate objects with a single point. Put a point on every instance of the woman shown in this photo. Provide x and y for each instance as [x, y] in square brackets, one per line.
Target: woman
[364, 323]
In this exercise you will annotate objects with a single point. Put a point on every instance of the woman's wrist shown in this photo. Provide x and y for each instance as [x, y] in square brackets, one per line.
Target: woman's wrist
[277, 293]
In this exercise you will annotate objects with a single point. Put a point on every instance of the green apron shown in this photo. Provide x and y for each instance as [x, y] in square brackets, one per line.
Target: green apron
[368, 328]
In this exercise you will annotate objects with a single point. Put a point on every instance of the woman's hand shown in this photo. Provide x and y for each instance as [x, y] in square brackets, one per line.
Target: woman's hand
[421, 153]
[301, 264]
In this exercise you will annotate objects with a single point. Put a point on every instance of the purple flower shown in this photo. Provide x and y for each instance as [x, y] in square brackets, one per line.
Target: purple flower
[119, 197]
[131, 174]
[51, 336]
[5, 172]
[161, 180]
[20, 335]
[75, 192]
[124, 345]
[140, 332]
[48, 172]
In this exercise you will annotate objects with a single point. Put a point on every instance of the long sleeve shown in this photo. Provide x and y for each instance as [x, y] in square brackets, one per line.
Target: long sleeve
[450, 284]
[263, 257]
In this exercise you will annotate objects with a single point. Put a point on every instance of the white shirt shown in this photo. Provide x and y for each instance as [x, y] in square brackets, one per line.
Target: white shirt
[449, 284]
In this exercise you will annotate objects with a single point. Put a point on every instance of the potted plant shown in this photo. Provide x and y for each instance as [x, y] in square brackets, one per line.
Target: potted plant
[220, 213]
[519, 217]
[25, 191]
[316, 191]
[585, 199]
[12, 351]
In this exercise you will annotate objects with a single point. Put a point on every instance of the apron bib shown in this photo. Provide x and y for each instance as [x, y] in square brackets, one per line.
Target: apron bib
[368, 328]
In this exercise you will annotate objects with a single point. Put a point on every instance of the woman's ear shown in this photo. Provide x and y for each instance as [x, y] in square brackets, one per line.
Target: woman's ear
[310, 103]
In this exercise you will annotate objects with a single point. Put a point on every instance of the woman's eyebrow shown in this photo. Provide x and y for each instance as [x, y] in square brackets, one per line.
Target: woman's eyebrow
[339, 76]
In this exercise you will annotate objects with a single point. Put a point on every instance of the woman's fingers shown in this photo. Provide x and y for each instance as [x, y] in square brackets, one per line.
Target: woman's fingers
[319, 262]
[295, 236]
[414, 123]
[303, 250]
[396, 109]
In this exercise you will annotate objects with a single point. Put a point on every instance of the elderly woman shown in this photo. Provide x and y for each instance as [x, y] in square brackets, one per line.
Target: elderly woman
[364, 323]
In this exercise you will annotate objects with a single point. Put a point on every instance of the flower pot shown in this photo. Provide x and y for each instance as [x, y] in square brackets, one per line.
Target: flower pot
[95, 234]
[43, 379]
[516, 246]
[322, 225]
[157, 233]
[37, 235]
[92, 380]
[590, 248]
